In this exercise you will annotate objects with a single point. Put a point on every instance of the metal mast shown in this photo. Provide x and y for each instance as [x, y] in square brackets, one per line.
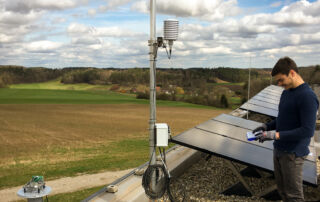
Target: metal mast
[153, 48]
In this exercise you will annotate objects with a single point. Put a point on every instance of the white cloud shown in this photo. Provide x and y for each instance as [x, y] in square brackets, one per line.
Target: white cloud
[215, 50]
[76, 29]
[6, 39]
[86, 40]
[23, 6]
[11, 19]
[92, 12]
[211, 33]
[59, 20]
[113, 4]
[42, 46]
[290, 50]
[276, 4]
[203, 9]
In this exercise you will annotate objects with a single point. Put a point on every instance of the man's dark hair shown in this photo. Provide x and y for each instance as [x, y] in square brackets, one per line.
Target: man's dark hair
[283, 66]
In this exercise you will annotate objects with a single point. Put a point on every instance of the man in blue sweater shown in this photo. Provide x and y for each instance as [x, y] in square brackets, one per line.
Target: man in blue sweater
[291, 130]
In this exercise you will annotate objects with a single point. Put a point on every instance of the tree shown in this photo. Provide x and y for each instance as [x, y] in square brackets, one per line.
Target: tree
[224, 101]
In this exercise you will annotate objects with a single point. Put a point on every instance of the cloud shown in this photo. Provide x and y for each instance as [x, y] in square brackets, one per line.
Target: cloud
[6, 38]
[86, 40]
[212, 33]
[202, 9]
[42, 46]
[92, 12]
[23, 6]
[76, 29]
[113, 4]
[10, 19]
[276, 4]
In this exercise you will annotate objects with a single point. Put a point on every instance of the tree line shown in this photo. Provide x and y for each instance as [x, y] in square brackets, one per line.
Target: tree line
[199, 85]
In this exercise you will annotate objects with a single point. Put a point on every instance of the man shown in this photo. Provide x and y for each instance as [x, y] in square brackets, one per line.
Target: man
[291, 130]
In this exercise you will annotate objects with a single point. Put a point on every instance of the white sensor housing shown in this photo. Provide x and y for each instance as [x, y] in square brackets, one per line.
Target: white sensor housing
[171, 29]
[162, 134]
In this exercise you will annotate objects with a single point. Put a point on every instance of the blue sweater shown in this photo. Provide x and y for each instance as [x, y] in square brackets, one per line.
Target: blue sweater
[296, 120]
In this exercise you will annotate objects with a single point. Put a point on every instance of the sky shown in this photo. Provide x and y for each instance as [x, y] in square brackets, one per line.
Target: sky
[115, 33]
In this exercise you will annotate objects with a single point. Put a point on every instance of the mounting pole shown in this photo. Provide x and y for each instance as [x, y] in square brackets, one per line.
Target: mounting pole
[249, 86]
[153, 48]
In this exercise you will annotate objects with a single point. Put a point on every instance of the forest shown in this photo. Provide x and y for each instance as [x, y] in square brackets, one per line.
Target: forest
[219, 87]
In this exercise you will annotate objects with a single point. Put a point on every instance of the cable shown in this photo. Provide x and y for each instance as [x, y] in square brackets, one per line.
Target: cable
[162, 179]
[169, 55]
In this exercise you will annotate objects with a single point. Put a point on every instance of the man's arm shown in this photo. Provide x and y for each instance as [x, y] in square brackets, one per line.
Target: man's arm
[308, 107]
[272, 125]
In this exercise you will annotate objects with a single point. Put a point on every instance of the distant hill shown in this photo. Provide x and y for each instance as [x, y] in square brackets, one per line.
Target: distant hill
[10, 74]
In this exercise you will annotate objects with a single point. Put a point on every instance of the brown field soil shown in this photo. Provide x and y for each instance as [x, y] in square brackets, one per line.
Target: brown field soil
[220, 80]
[30, 133]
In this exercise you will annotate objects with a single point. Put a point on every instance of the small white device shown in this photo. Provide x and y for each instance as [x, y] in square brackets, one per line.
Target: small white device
[162, 134]
[252, 136]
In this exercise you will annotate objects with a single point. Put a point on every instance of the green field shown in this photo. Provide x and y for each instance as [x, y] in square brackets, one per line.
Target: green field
[54, 92]
[52, 130]
[57, 85]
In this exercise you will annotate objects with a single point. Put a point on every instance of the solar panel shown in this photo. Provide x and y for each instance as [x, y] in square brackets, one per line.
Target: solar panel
[266, 91]
[275, 88]
[272, 91]
[264, 104]
[233, 120]
[260, 109]
[225, 136]
[270, 96]
[264, 99]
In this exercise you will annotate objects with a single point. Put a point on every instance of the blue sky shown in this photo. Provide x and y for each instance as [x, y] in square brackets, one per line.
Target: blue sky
[114, 33]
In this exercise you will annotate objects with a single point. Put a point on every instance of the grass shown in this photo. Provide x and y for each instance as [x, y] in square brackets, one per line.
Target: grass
[117, 155]
[45, 96]
[57, 140]
[57, 85]
[73, 196]
[227, 84]
[235, 102]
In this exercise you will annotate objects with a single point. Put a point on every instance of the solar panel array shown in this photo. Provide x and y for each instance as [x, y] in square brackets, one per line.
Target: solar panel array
[265, 102]
[225, 136]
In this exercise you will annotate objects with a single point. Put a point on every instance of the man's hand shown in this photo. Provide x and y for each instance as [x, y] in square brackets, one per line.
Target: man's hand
[266, 136]
[263, 127]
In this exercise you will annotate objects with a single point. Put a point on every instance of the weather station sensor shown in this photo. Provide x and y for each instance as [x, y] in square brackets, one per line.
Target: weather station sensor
[170, 34]
[156, 178]
[34, 190]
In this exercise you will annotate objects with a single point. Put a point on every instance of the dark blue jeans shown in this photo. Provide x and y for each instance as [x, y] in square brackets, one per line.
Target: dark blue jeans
[288, 174]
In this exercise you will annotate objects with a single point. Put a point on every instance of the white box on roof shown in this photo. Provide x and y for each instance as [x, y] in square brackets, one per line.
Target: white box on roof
[162, 135]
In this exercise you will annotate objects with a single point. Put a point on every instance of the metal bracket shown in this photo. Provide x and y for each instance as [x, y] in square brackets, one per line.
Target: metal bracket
[239, 176]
